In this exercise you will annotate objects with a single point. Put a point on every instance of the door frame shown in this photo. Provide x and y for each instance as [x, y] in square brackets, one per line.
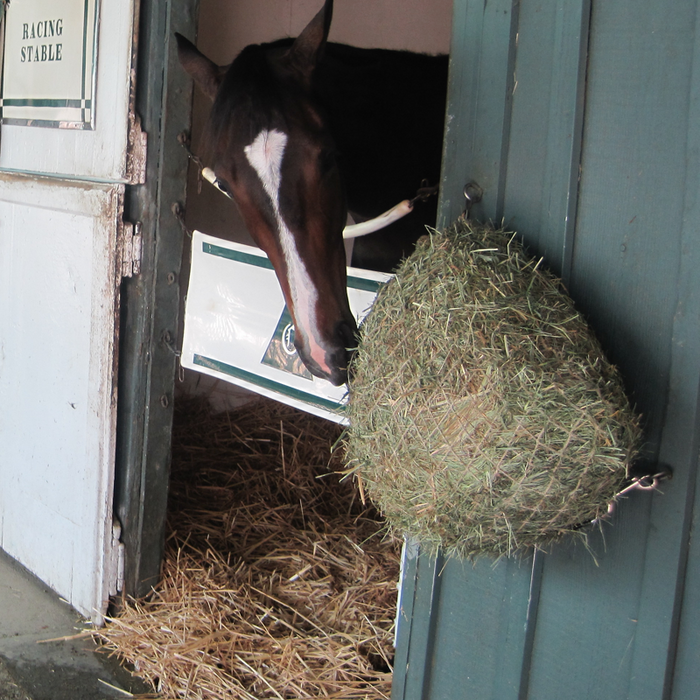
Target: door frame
[148, 351]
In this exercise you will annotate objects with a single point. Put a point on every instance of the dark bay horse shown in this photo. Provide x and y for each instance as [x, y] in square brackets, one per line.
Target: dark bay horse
[303, 131]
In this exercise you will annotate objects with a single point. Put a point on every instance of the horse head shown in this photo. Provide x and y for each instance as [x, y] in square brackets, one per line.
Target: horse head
[271, 150]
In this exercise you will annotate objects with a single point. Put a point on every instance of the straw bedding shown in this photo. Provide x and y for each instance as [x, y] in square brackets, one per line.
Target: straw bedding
[278, 582]
[484, 416]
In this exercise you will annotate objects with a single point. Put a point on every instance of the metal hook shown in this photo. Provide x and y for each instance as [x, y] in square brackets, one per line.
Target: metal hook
[425, 191]
[473, 193]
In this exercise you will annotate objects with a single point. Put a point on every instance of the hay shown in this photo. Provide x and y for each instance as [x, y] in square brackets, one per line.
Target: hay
[484, 417]
[277, 581]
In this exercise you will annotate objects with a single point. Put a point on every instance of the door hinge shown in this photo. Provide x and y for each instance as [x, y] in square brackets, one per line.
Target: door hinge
[131, 244]
[117, 558]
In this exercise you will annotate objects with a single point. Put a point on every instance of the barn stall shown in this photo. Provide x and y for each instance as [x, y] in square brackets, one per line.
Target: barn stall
[355, 649]
[567, 114]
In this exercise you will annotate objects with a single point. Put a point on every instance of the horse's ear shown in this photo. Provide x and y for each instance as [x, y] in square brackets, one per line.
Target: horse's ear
[205, 72]
[307, 49]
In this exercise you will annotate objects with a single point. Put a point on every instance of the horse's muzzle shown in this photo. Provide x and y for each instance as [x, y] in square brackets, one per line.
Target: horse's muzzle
[339, 351]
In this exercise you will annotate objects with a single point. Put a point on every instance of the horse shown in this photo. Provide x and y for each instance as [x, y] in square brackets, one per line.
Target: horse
[304, 131]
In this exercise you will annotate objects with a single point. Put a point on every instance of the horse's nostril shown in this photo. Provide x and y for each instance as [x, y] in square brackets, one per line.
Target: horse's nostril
[348, 335]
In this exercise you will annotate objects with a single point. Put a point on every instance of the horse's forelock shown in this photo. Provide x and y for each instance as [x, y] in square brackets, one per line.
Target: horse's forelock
[260, 92]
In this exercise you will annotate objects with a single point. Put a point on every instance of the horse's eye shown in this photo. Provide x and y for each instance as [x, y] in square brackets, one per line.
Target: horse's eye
[326, 161]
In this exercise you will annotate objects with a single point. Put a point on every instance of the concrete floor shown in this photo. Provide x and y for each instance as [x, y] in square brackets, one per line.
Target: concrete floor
[61, 670]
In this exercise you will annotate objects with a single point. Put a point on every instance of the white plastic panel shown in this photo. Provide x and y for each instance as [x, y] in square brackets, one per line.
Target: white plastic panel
[235, 326]
[100, 153]
[57, 398]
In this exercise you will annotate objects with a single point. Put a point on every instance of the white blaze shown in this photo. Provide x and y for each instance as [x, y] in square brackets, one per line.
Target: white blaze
[265, 156]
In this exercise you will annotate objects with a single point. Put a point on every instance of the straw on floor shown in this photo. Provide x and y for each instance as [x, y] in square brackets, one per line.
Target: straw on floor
[278, 582]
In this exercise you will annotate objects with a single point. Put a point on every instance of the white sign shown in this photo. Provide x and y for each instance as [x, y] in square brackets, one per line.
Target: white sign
[237, 327]
[49, 62]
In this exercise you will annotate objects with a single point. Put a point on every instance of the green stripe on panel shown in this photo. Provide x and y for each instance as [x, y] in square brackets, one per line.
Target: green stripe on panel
[259, 261]
[40, 102]
[268, 384]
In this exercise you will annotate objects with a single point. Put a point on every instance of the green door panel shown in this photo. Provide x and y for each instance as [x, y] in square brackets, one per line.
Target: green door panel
[581, 121]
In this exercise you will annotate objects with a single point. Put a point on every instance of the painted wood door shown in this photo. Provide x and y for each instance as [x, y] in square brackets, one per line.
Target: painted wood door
[581, 121]
[62, 239]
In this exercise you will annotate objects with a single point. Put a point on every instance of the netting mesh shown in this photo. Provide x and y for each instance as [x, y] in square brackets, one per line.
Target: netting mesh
[484, 416]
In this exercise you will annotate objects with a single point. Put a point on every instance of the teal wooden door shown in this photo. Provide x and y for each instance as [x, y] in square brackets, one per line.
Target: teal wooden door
[581, 121]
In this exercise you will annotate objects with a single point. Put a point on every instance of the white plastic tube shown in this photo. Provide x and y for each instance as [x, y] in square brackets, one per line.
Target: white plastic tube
[352, 230]
[379, 222]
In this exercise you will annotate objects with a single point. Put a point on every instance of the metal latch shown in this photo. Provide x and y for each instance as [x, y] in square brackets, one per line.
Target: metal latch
[473, 194]
[131, 248]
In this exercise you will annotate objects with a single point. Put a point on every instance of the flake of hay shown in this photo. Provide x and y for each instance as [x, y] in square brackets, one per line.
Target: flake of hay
[277, 581]
[484, 416]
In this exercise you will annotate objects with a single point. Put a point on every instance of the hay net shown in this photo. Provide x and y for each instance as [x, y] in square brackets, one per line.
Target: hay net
[484, 415]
